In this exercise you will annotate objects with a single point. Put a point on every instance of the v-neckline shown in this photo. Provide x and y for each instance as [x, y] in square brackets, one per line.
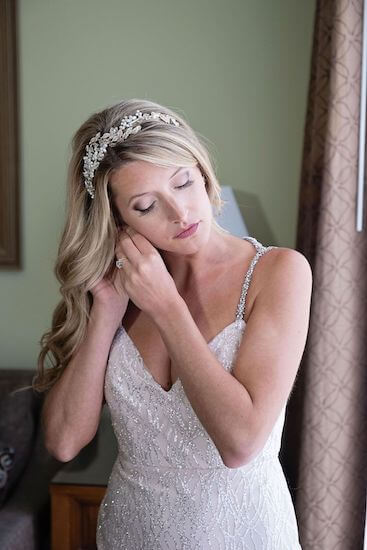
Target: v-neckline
[144, 366]
[142, 363]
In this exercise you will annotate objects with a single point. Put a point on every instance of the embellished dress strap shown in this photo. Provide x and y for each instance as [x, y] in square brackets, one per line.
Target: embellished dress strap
[260, 251]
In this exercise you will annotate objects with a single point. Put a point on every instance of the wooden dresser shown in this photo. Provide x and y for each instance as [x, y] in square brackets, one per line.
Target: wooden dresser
[78, 488]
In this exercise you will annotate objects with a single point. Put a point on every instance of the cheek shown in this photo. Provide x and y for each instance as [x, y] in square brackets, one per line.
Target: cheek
[145, 225]
[204, 196]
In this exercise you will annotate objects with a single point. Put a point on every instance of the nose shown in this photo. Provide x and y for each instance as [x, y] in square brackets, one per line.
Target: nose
[178, 211]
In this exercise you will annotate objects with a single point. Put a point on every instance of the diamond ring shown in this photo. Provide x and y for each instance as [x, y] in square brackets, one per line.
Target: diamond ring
[119, 262]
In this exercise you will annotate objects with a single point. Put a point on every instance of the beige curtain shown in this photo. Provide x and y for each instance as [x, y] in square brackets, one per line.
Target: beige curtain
[324, 448]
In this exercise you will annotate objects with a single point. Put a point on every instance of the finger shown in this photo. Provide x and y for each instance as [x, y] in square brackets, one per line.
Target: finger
[118, 281]
[133, 245]
[141, 242]
[120, 276]
[125, 248]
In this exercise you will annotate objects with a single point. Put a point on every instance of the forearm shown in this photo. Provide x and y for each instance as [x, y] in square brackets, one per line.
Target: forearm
[221, 402]
[72, 407]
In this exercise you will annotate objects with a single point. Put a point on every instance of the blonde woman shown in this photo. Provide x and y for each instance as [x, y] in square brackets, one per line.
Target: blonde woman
[192, 336]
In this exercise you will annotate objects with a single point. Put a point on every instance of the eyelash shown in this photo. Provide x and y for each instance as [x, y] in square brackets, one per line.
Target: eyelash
[146, 210]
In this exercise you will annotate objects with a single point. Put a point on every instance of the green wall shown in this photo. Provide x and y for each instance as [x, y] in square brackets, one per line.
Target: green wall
[237, 70]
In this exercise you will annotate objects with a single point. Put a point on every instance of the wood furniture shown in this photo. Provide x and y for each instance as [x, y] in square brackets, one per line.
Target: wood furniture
[78, 489]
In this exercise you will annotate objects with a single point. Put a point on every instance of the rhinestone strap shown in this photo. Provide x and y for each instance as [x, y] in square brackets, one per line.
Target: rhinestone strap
[260, 251]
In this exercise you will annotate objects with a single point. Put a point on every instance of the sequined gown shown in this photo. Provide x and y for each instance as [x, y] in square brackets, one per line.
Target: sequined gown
[169, 488]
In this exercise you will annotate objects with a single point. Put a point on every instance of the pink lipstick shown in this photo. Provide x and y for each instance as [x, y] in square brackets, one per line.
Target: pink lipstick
[188, 232]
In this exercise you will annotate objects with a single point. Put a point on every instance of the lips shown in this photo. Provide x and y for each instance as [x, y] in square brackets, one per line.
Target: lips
[186, 229]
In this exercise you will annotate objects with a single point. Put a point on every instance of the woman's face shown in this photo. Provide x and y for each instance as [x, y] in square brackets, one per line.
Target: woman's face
[170, 199]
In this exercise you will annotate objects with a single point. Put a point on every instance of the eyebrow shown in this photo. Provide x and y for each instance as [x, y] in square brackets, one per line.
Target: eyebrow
[147, 192]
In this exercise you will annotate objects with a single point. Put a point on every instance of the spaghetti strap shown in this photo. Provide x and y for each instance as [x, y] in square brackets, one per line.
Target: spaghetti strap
[260, 251]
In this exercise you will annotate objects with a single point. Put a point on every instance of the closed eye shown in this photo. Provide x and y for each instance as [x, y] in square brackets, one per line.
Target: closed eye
[146, 210]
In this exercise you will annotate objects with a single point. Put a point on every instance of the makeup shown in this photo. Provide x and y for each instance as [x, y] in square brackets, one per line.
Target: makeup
[190, 231]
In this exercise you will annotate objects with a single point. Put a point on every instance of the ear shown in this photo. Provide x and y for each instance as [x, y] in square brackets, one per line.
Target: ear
[122, 225]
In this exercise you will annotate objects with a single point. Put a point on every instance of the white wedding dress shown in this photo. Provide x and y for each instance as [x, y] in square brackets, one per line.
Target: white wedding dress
[169, 488]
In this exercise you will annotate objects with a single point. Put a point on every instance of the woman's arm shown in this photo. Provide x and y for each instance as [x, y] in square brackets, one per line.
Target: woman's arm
[239, 409]
[72, 407]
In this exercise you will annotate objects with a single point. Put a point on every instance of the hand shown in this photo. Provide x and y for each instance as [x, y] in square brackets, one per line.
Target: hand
[144, 275]
[109, 296]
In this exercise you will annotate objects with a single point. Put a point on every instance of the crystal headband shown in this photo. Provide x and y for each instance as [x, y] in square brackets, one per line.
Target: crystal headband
[97, 146]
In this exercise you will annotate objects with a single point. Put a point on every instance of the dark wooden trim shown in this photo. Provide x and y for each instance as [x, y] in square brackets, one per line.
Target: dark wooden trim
[9, 139]
[74, 516]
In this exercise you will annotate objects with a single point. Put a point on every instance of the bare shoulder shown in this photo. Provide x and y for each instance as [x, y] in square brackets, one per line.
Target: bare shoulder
[283, 266]
[278, 274]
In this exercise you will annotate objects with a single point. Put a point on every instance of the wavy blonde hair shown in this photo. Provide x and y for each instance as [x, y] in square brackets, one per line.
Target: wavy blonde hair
[84, 255]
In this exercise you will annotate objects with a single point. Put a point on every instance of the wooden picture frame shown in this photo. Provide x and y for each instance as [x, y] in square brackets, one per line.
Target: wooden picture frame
[9, 139]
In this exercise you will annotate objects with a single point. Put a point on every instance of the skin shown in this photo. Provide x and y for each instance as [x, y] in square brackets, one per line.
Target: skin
[189, 260]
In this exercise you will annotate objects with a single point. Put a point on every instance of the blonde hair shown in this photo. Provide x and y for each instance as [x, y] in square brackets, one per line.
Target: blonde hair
[84, 255]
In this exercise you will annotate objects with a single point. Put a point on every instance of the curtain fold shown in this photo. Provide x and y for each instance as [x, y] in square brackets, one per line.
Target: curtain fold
[324, 447]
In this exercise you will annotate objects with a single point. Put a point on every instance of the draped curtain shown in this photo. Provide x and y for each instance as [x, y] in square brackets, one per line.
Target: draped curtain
[324, 446]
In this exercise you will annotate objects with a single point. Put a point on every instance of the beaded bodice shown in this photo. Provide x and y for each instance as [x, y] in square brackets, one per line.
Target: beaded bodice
[169, 488]
[128, 376]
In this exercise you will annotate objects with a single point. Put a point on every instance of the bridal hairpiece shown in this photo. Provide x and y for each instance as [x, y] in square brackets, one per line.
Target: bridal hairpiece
[97, 146]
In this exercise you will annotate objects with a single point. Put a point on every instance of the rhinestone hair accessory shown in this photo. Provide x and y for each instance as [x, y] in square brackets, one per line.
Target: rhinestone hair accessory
[97, 146]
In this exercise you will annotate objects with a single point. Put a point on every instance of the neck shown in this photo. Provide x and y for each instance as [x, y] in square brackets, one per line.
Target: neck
[191, 270]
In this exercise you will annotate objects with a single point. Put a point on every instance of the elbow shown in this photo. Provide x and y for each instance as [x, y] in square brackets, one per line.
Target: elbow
[62, 453]
[64, 449]
[62, 458]
[235, 461]
[59, 454]
[240, 457]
